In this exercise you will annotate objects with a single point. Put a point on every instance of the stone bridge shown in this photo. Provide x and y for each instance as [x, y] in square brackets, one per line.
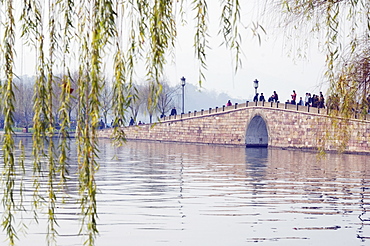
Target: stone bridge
[259, 124]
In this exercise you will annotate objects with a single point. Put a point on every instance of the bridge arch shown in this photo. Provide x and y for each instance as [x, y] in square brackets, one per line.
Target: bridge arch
[257, 133]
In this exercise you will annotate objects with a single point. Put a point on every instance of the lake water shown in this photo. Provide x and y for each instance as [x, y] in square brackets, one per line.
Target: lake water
[180, 194]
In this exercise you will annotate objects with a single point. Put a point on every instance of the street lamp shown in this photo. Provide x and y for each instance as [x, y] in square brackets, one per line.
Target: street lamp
[183, 98]
[255, 84]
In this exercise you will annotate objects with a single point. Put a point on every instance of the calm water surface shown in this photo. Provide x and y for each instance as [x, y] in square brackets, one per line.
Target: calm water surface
[180, 194]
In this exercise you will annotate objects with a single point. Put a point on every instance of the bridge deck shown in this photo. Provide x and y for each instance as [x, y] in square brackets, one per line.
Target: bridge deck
[216, 110]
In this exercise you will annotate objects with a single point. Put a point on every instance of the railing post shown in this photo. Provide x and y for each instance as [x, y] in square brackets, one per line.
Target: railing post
[236, 105]
[195, 113]
[201, 112]
[223, 107]
[216, 109]
[285, 105]
[209, 110]
[246, 103]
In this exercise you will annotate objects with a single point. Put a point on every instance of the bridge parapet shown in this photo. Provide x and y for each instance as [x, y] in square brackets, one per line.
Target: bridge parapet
[286, 106]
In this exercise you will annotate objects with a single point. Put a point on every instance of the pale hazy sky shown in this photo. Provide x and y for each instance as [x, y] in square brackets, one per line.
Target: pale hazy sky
[269, 62]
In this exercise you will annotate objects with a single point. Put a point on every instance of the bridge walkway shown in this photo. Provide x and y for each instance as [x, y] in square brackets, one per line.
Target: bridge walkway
[286, 106]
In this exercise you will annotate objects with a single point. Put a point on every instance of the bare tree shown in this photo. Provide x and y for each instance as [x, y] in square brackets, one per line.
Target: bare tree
[136, 100]
[23, 109]
[59, 83]
[166, 98]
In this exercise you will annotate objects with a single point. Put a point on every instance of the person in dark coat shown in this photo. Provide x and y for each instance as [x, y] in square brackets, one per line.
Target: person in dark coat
[275, 97]
[262, 98]
[173, 111]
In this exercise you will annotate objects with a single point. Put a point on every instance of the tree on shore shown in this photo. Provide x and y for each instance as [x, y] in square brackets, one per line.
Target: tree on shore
[23, 112]
[106, 101]
[166, 98]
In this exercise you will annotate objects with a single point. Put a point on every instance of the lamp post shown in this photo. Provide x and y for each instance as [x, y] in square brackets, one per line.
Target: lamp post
[183, 98]
[255, 84]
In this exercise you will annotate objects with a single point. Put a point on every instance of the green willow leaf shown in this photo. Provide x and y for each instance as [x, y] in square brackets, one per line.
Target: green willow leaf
[74, 44]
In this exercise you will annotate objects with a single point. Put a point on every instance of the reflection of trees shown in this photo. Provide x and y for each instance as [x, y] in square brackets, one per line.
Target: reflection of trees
[361, 216]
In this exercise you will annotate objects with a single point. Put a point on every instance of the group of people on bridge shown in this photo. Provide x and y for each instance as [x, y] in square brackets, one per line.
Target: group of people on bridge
[317, 101]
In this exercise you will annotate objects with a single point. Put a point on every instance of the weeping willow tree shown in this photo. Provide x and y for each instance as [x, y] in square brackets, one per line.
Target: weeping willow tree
[342, 29]
[67, 36]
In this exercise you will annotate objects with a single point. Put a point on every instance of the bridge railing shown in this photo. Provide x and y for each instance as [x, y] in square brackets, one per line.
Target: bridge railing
[287, 106]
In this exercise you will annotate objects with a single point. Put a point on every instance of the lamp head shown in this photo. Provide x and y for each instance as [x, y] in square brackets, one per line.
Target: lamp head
[183, 81]
[255, 84]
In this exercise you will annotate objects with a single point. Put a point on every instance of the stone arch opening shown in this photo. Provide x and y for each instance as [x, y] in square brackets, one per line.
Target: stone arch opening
[257, 134]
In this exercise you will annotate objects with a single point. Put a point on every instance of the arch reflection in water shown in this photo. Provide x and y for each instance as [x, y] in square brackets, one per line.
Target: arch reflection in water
[256, 161]
[256, 166]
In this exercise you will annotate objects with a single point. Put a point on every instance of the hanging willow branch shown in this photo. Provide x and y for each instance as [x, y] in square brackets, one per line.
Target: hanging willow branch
[343, 31]
[9, 170]
[230, 18]
[201, 35]
[66, 9]
[51, 202]
[84, 36]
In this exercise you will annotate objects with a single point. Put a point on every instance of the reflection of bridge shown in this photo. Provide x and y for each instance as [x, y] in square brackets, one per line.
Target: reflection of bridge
[258, 124]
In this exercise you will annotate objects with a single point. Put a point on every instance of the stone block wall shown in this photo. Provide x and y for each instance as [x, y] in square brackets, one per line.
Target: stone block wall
[287, 128]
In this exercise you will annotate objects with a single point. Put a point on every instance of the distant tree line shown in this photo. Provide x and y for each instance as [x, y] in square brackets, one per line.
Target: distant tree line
[140, 103]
